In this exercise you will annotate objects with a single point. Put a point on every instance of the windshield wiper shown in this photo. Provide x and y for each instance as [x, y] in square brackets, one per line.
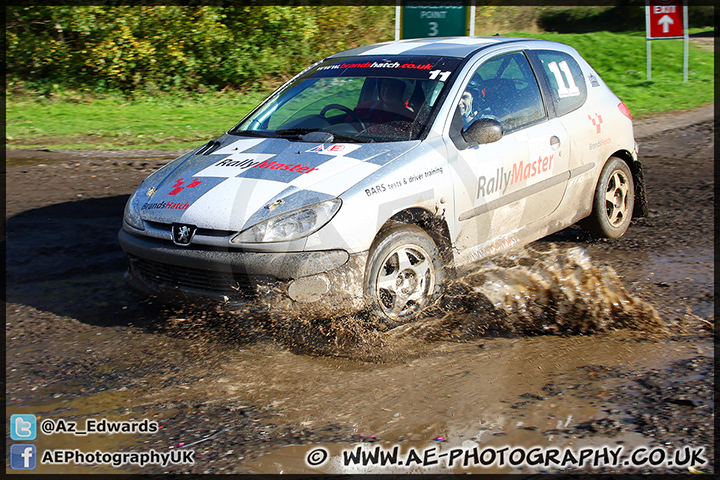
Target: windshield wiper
[295, 132]
[349, 138]
[253, 133]
[300, 132]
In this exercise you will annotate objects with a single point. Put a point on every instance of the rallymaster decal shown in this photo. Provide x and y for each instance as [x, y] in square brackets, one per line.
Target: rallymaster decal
[524, 171]
[232, 167]
[335, 149]
[299, 168]
[520, 171]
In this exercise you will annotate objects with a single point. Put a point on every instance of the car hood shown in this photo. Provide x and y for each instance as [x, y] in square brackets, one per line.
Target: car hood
[234, 182]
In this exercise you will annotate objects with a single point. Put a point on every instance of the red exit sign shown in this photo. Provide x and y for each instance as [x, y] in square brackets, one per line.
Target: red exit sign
[665, 19]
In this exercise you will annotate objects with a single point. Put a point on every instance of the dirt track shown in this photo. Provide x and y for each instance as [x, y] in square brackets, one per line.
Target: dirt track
[79, 344]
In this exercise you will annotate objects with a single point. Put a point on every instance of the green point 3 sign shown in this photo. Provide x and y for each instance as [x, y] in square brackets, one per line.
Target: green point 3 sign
[422, 19]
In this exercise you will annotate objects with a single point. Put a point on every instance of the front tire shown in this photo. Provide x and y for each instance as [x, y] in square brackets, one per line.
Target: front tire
[404, 274]
[613, 201]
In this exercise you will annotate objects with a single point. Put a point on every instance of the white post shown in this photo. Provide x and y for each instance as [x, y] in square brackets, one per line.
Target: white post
[398, 13]
[686, 53]
[472, 18]
[647, 39]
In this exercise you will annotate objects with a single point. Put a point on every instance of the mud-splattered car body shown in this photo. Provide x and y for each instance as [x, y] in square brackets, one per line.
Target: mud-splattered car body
[318, 198]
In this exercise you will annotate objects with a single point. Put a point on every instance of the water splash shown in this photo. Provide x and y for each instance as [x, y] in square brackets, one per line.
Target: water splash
[535, 291]
[529, 291]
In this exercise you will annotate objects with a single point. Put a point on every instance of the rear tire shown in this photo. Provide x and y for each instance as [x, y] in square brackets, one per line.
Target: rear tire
[404, 274]
[613, 201]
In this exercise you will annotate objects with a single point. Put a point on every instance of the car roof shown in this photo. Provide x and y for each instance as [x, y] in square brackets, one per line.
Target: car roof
[459, 47]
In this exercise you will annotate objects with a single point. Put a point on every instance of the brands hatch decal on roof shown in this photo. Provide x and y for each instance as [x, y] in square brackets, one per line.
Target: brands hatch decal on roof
[419, 67]
[415, 66]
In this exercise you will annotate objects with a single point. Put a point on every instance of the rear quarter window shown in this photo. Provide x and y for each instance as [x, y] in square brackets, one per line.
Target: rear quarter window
[565, 77]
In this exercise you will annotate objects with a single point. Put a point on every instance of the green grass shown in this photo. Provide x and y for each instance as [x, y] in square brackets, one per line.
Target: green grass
[70, 120]
[165, 123]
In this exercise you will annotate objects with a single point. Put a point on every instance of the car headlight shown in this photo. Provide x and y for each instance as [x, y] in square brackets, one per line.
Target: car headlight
[132, 211]
[292, 225]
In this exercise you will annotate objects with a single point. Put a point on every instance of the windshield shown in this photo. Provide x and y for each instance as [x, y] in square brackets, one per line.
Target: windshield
[359, 99]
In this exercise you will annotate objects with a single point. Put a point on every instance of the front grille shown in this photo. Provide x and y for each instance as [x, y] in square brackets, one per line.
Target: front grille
[224, 282]
[167, 227]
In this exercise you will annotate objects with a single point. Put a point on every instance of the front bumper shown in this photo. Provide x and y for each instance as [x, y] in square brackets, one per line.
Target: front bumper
[170, 272]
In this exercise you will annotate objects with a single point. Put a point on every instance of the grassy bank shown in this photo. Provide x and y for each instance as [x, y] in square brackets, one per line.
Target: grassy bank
[168, 122]
[70, 120]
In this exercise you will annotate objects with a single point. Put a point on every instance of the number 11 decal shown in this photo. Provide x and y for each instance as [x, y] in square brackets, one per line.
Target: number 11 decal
[443, 75]
[564, 91]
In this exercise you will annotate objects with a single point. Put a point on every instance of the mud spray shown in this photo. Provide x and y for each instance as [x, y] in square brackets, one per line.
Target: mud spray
[540, 290]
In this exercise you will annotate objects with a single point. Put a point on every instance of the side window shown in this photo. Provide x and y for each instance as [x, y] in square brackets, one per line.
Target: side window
[566, 80]
[504, 88]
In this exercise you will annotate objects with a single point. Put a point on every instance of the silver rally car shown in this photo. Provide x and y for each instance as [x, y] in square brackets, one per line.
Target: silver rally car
[368, 179]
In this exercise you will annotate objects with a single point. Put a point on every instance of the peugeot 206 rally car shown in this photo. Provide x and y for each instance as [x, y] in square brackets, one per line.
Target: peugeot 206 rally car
[368, 178]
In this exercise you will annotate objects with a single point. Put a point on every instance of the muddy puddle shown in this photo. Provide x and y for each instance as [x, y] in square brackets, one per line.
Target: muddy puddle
[499, 392]
[525, 350]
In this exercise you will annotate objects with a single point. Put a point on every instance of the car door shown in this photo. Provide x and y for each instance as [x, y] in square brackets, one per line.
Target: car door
[520, 179]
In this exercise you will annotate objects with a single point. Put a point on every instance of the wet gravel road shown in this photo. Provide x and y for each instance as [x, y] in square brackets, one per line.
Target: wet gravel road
[80, 345]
